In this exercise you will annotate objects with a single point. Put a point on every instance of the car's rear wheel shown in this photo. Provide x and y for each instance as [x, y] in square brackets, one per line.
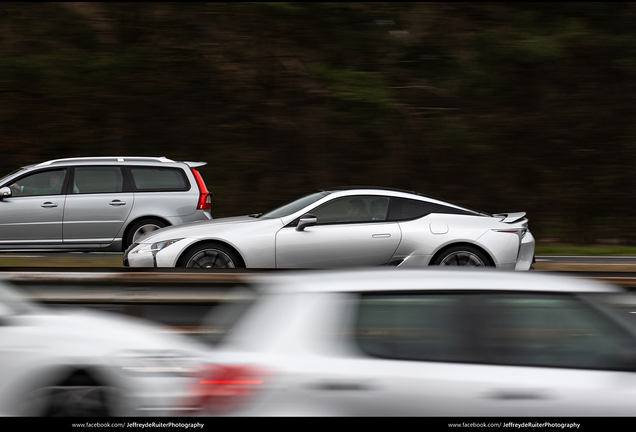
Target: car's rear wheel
[462, 256]
[141, 228]
[211, 256]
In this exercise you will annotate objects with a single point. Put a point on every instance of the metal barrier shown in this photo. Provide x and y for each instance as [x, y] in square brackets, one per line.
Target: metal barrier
[122, 287]
[175, 287]
[176, 300]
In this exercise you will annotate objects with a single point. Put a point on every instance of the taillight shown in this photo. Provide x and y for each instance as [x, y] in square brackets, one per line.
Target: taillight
[205, 201]
[223, 389]
[521, 232]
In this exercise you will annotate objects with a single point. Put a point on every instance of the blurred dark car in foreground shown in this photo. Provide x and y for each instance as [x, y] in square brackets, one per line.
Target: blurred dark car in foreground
[427, 342]
[77, 363]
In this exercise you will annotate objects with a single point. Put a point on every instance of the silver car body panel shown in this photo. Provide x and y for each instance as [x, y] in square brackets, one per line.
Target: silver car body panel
[96, 218]
[32, 221]
[349, 245]
[256, 237]
[275, 243]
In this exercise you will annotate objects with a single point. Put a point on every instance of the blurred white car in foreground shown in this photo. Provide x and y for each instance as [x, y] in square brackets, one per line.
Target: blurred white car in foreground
[430, 343]
[84, 363]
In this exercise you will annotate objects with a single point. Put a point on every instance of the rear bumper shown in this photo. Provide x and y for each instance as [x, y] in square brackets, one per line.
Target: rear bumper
[526, 253]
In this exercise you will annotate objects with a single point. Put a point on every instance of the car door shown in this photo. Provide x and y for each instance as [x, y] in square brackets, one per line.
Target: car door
[461, 354]
[32, 217]
[97, 205]
[350, 231]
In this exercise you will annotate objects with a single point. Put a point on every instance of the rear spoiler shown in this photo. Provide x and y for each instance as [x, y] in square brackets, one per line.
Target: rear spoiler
[510, 217]
[195, 164]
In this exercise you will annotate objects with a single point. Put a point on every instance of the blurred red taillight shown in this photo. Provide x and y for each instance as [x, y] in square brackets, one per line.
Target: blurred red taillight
[205, 201]
[223, 389]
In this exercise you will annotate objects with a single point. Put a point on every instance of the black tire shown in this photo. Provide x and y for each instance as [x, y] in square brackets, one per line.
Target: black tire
[79, 396]
[462, 256]
[140, 228]
[211, 255]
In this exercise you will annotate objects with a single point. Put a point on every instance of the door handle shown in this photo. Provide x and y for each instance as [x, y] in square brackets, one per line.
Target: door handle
[341, 386]
[519, 395]
[381, 235]
[117, 203]
[48, 204]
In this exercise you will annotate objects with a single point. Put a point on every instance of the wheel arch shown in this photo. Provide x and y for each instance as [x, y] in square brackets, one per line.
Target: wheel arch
[184, 252]
[60, 376]
[134, 221]
[444, 249]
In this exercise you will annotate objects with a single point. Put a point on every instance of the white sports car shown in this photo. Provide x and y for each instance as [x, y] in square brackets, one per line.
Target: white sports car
[345, 228]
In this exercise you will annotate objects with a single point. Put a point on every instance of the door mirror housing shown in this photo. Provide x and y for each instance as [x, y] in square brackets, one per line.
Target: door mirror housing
[305, 221]
[5, 192]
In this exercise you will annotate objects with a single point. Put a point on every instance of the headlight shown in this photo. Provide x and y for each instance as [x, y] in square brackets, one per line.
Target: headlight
[163, 363]
[156, 247]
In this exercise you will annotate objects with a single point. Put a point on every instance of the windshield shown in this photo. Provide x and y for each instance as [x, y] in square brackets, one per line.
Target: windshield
[294, 206]
[3, 179]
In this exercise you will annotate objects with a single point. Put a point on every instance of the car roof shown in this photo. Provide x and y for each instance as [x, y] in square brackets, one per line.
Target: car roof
[396, 279]
[399, 193]
[348, 188]
[112, 160]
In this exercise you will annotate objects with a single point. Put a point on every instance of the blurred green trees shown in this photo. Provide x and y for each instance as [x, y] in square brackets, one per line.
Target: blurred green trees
[495, 106]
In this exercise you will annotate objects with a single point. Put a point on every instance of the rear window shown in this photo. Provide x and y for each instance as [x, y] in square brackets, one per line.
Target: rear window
[159, 179]
[405, 209]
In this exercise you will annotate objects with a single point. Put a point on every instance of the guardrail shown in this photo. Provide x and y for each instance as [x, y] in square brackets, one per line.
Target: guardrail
[127, 287]
[176, 299]
[174, 287]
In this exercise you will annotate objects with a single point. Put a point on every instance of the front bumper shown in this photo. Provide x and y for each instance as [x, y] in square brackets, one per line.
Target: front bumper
[127, 251]
[139, 255]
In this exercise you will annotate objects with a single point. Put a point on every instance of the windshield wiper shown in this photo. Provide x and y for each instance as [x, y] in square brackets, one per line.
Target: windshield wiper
[255, 215]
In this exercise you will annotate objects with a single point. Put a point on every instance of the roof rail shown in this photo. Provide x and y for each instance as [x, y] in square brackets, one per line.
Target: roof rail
[106, 159]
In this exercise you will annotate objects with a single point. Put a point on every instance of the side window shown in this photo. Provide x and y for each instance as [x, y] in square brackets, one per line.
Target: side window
[549, 330]
[159, 179]
[90, 180]
[406, 209]
[352, 209]
[412, 326]
[40, 183]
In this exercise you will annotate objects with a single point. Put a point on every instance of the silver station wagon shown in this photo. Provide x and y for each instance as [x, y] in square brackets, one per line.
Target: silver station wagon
[97, 204]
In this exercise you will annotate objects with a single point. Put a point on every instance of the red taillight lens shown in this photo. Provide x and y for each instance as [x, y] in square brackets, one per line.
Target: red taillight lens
[205, 201]
[223, 389]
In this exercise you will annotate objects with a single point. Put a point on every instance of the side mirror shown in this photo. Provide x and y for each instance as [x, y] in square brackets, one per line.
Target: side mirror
[306, 221]
[5, 192]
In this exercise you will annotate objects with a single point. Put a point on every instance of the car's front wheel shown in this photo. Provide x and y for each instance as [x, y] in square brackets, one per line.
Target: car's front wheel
[462, 256]
[77, 396]
[211, 256]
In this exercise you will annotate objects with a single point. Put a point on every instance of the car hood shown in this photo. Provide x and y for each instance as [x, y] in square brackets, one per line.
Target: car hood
[194, 229]
[102, 331]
